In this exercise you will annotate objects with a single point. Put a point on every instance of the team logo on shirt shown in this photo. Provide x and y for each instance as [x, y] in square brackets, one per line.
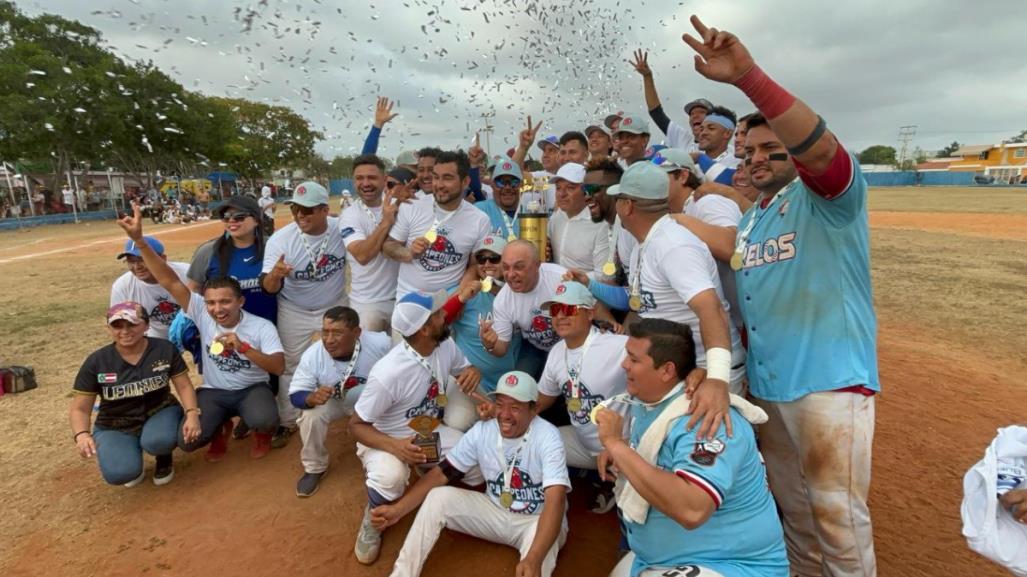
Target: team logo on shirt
[106, 378]
[160, 365]
[322, 270]
[348, 231]
[648, 301]
[588, 402]
[351, 382]
[528, 494]
[705, 452]
[541, 331]
[440, 254]
[428, 405]
[229, 361]
[164, 311]
[770, 251]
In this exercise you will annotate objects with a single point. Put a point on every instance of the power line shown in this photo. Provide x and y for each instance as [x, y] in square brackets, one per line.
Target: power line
[906, 134]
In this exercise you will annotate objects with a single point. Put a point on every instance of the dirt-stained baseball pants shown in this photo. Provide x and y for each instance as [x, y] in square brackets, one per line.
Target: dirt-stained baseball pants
[817, 452]
[296, 329]
[471, 513]
[313, 424]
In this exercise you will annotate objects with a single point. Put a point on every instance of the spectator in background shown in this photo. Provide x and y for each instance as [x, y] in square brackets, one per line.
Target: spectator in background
[267, 208]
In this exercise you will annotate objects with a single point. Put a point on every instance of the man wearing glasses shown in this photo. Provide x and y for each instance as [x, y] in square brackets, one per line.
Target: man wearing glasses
[139, 285]
[304, 264]
[365, 226]
[504, 208]
[599, 177]
[578, 242]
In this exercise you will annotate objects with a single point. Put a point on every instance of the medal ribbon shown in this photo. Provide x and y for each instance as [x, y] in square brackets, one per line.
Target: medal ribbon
[316, 259]
[574, 373]
[636, 280]
[427, 366]
[367, 210]
[743, 237]
[435, 214]
[510, 222]
[508, 466]
[349, 371]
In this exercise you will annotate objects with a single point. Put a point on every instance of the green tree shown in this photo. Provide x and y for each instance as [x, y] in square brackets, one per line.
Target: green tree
[948, 150]
[1019, 138]
[878, 154]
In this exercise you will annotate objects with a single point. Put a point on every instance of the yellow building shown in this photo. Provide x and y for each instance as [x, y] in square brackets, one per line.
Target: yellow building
[1006, 162]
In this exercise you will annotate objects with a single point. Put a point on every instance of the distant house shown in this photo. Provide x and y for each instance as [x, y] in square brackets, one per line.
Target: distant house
[1005, 162]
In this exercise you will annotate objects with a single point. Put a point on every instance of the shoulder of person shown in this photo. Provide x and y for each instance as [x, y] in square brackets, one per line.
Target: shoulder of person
[552, 269]
[284, 234]
[375, 339]
[543, 430]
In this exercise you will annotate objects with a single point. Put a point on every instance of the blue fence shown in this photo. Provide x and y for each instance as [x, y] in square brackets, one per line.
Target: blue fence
[335, 187]
[919, 178]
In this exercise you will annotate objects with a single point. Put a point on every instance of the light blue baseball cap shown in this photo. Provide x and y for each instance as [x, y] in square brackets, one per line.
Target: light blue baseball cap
[131, 249]
[633, 124]
[673, 159]
[643, 180]
[507, 167]
[309, 194]
[517, 385]
[570, 293]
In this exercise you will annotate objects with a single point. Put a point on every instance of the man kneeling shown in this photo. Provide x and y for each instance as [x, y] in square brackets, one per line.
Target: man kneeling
[522, 459]
[690, 506]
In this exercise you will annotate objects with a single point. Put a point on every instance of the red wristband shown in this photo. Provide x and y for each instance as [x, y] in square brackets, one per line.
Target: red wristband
[452, 308]
[244, 347]
[767, 95]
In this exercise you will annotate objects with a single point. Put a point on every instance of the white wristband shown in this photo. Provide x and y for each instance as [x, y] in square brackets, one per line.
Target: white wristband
[718, 364]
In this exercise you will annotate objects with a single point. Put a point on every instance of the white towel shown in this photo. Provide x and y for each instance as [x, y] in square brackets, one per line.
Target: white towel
[988, 527]
[633, 507]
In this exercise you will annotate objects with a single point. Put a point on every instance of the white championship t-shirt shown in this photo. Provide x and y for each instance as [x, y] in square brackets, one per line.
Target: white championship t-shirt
[457, 235]
[601, 377]
[578, 242]
[676, 267]
[376, 281]
[230, 370]
[159, 303]
[317, 368]
[539, 464]
[680, 136]
[719, 211]
[318, 277]
[399, 388]
[522, 310]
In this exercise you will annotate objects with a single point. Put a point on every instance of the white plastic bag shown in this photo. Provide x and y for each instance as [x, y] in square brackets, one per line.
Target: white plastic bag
[988, 527]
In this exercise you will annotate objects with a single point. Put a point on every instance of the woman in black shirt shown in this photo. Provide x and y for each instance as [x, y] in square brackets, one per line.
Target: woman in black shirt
[137, 410]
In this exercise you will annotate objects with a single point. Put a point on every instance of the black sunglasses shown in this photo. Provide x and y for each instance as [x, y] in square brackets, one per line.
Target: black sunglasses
[592, 189]
[304, 210]
[505, 182]
[483, 258]
[235, 217]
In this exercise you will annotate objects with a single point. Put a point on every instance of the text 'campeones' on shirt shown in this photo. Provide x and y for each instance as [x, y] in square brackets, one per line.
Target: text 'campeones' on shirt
[231, 370]
[131, 393]
[540, 464]
[743, 536]
[522, 311]
[318, 262]
[399, 388]
[245, 267]
[375, 281]
[809, 256]
[157, 301]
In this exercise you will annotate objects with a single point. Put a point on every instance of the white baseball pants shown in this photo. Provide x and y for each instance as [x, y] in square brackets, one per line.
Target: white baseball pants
[623, 569]
[817, 451]
[375, 317]
[578, 454]
[297, 328]
[313, 424]
[471, 513]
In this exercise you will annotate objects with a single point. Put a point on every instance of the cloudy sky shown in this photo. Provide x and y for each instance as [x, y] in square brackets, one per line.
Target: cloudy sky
[954, 69]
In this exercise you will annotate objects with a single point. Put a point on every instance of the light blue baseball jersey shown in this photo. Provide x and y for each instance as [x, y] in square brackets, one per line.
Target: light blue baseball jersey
[496, 220]
[805, 293]
[743, 537]
[465, 333]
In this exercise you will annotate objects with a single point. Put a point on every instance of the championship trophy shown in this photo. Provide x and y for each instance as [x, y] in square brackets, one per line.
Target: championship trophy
[427, 439]
[535, 214]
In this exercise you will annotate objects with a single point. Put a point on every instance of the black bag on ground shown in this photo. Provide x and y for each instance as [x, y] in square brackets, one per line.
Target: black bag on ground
[17, 379]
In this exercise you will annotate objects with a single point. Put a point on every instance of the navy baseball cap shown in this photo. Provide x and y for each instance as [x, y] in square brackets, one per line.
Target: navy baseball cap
[132, 250]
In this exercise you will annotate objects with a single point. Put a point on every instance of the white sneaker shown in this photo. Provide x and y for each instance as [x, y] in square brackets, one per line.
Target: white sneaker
[369, 540]
[137, 480]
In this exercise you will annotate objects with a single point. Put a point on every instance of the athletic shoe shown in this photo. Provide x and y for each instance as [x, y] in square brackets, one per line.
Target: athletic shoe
[282, 436]
[261, 445]
[603, 500]
[369, 540]
[137, 480]
[165, 471]
[242, 430]
[308, 484]
[219, 444]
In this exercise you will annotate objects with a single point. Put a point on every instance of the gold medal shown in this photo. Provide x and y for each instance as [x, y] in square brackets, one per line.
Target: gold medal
[609, 269]
[635, 302]
[216, 348]
[486, 284]
[592, 415]
[431, 235]
[506, 499]
[442, 400]
[736, 261]
[574, 405]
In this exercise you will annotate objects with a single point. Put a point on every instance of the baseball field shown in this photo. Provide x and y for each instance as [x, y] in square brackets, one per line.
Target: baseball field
[950, 273]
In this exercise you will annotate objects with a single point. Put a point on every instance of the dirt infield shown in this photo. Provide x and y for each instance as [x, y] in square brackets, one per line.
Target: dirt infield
[943, 401]
[1002, 226]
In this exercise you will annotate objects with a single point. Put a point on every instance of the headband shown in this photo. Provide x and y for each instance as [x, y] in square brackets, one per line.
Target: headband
[721, 120]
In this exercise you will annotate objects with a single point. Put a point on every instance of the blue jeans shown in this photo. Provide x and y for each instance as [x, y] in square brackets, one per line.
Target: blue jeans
[120, 454]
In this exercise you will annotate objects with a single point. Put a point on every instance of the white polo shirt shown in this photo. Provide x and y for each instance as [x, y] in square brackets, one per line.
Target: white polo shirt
[578, 242]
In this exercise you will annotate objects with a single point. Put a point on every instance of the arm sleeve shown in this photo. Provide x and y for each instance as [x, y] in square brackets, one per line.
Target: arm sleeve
[201, 263]
[684, 267]
[196, 309]
[718, 211]
[178, 365]
[119, 292]
[600, 253]
[464, 455]
[272, 251]
[613, 296]
[350, 226]
[692, 460]
[371, 142]
[660, 118]
[304, 380]
[554, 462]
[549, 385]
[840, 194]
[86, 380]
[401, 230]
[457, 359]
[502, 315]
[270, 343]
[374, 400]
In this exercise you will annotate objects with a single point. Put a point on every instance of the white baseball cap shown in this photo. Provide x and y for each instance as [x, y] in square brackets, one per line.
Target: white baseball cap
[571, 172]
[414, 309]
[517, 385]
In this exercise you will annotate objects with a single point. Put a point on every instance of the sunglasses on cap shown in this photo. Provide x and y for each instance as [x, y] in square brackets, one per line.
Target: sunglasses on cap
[482, 258]
[507, 182]
[304, 210]
[234, 217]
[557, 309]
[593, 189]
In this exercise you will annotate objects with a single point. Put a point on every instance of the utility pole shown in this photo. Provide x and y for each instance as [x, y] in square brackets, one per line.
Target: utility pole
[488, 132]
[906, 134]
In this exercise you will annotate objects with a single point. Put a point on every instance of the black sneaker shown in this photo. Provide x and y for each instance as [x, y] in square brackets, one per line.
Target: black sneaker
[165, 470]
[281, 437]
[241, 431]
[308, 484]
[603, 499]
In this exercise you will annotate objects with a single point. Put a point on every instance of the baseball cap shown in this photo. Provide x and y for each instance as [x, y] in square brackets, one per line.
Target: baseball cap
[633, 124]
[570, 293]
[611, 118]
[571, 172]
[407, 157]
[702, 102]
[403, 175]
[594, 127]
[492, 242]
[642, 180]
[239, 203]
[132, 250]
[551, 140]
[130, 311]
[309, 194]
[671, 159]
[414, 309]
[517, 385]
[507, 167]
[653, 150]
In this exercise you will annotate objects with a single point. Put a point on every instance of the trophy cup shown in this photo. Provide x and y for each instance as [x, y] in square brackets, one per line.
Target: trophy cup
[534, 215]
[427, 439]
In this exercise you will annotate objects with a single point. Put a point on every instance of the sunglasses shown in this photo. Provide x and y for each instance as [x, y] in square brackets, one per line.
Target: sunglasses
[234, 217]
[304, 210]
[484, 258]
[592, 189]
[507, 182]
[557, 309]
